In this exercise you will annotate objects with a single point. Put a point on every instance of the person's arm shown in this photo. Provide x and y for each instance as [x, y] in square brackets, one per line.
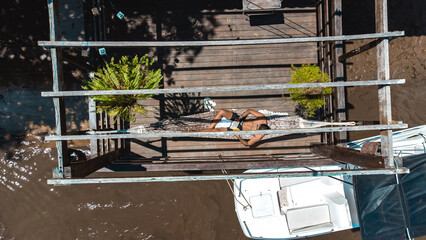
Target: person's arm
[252, 141]
[253, 112]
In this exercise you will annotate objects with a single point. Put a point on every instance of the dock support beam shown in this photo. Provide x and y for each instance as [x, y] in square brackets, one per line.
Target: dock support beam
[93, 125]
[383, 73]
[58, 102]
[338, 68]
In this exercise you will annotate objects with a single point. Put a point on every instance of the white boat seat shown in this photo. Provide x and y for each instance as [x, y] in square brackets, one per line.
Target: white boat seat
[308, 218]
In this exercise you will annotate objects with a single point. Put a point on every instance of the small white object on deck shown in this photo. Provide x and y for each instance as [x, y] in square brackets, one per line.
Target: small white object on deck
[261, 4]
[209, 104]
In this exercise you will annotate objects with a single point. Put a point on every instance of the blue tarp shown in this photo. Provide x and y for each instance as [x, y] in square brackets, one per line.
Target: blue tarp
[388, 210]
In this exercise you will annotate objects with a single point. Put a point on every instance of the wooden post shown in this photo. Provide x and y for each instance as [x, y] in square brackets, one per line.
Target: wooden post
[320, 33]
[58, 102]
[338, 67]
[383, 73]
[92, 165]
[93, 125]
[326, 57]
[351, 156]
[102, 126]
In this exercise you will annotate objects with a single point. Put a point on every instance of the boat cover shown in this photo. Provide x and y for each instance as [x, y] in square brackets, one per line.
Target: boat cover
[388, 210]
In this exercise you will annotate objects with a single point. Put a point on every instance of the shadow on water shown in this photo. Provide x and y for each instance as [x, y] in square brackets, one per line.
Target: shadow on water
[26, 71]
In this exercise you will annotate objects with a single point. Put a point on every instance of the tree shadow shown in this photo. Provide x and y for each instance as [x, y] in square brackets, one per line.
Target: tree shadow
[27, 71]
[182, 104]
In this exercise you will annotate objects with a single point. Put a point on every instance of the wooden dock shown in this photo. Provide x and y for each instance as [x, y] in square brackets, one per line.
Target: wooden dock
[230, 66]
[183, 37]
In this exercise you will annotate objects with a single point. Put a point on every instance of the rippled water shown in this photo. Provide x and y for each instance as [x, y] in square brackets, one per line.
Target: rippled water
[31, 209]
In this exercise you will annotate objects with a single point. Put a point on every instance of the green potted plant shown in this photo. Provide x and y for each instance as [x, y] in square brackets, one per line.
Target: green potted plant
[309, 99]
[124, 75]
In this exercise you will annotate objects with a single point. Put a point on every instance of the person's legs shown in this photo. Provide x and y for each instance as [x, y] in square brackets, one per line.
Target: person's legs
[222, 113]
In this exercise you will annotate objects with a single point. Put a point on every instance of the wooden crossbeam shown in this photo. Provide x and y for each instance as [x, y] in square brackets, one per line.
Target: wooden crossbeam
[221, 89]
[235, 165]
[231, 158]
[351, 156]
[85, 168]
[231, 177]
[218, 134]
[121, 44]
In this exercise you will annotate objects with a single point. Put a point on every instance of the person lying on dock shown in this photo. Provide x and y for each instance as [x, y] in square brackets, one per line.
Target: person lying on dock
[229, 121]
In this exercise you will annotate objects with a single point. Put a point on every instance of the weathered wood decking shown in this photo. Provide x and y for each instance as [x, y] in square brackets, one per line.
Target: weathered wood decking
[172, 22]
[228, 66]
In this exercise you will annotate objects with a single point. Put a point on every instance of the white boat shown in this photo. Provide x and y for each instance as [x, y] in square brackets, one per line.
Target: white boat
[291, 208]
[405, 142]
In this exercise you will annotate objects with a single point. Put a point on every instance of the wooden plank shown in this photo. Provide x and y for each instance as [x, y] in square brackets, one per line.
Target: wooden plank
[275, 76]
[251, 60]
[233, 16]
[220, 158]
[287, 27]
[390, 171]
[225, 145]
[274, 50]
[263, 32]
[85, 168]
[383, 73]
[93, 125]
[242, 48]
[283, 9]
[122, 44]
[370, 147]
[235, 165]
[350, 156]
[222, 89]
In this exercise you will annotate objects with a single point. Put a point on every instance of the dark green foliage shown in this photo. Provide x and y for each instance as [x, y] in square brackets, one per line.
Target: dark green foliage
[310, 99]
[124, 75]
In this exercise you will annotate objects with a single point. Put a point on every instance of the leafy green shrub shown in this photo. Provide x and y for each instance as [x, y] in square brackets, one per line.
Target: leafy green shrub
[310, 99]
[124, 75]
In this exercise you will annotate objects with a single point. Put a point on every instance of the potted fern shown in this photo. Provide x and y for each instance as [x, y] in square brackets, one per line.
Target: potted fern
[309, 99]
[125, 75]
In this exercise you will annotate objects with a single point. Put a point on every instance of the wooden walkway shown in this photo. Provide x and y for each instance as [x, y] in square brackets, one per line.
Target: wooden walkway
[200, 20]
[226, 66]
